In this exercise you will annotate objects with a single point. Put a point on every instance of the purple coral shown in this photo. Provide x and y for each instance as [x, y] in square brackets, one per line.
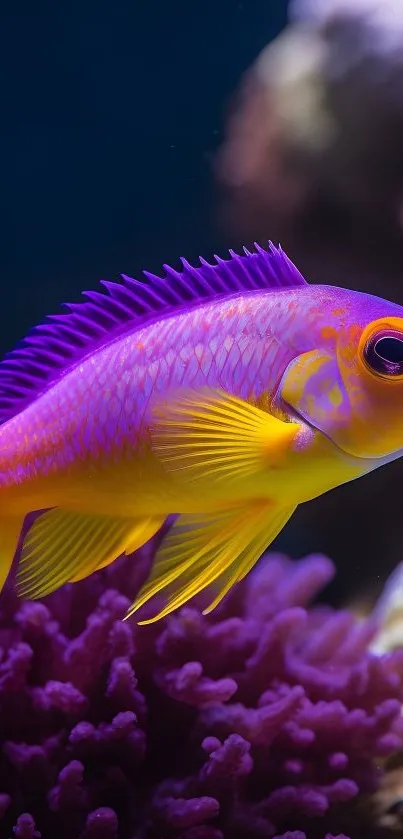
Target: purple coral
[266, 719]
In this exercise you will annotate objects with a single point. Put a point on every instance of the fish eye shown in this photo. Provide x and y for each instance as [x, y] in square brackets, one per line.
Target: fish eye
[383, 353]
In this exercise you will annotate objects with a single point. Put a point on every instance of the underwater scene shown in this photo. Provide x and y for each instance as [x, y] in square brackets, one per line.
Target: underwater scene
[201, 420]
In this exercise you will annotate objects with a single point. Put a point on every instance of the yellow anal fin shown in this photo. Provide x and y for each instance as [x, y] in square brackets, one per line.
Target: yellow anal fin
[203, 550]
[64, 546]
[210, 435]
[142, 531]
[10, 529]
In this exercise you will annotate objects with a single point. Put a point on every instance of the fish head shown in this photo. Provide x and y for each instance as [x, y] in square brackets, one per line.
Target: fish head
[350, 386]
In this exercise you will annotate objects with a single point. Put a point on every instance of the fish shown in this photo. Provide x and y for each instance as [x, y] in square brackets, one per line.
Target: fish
[222, 395]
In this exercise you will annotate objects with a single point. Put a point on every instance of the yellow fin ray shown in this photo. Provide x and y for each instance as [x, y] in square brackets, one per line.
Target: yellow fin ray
[249, 558]
[142, 531]
[202, 550]
[65, 546]
[210, 435]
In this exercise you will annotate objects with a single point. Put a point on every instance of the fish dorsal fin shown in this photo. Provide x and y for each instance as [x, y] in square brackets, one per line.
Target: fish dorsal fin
[54, 346]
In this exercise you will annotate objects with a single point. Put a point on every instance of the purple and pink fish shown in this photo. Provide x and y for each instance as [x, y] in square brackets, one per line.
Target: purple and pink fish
[225, 394]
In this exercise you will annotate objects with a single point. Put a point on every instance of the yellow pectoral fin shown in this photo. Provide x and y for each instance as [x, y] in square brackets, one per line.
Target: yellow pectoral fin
[202, 550]
[211, 435]
[64, 546]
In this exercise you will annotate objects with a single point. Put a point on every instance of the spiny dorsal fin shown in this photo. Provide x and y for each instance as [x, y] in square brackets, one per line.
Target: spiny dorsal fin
[64, 339]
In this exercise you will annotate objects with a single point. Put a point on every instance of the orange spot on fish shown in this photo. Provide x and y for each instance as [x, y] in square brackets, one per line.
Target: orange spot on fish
[328, 333]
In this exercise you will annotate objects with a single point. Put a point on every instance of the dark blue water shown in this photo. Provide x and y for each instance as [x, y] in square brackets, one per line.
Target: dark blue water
[110, 114]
